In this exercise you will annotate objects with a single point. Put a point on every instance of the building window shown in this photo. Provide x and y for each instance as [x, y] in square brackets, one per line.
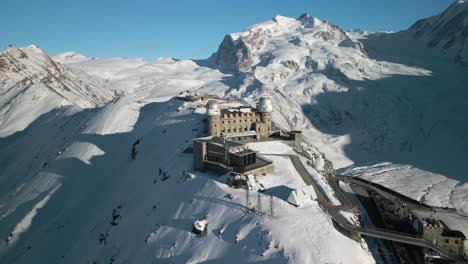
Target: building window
[456, 241]
[447, 240]
[229, 130]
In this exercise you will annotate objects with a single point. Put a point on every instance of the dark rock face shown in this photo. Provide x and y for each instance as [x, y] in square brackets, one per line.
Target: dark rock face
[290, 64]
[236, 55]
[233, 56]
[353, 44]
[310, 63]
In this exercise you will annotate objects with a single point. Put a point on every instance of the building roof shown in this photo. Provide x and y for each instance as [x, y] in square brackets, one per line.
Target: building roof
[431, 222]
[242, 134]
[218, 140]
[243, 152]
[446, 232]
[452, 233]
[236, 112]
[241, 109]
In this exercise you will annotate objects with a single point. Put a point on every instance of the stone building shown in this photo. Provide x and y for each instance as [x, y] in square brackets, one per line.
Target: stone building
[242, 123]
[391, 207]
[221, 155]
[438, 233]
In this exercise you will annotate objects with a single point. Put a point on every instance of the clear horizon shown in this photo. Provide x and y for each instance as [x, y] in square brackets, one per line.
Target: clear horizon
[181, 29]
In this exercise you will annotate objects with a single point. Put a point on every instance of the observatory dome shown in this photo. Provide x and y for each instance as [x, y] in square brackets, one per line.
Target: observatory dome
[265, 105]
[212, 108]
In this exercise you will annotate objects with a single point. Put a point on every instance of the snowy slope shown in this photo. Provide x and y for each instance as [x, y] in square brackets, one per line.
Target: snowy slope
[79, 189]
[83, 198]
[381, 106]
[161, 79]
[32, 84]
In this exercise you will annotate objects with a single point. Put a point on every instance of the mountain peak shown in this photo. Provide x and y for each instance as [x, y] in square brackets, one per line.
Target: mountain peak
[69, 57]
[31, 66]
[240, 51]
[34, 48]
[283, 20]
[309, 21]
[446, 31]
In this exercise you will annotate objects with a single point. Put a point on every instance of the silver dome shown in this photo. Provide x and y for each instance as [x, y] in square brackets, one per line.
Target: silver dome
[265, 104]
[212, 104]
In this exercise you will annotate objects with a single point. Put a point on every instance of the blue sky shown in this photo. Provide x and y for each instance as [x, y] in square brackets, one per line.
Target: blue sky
[181, 28]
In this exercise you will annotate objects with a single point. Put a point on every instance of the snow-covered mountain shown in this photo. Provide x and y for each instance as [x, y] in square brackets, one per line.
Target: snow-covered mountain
[239, 52]
[447, 32]
[383, 101]
[32, 84]
[381, 106]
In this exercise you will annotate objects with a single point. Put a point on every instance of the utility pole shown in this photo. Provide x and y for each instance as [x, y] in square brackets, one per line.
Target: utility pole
[259, 203]
[272, 212]
[248, 199]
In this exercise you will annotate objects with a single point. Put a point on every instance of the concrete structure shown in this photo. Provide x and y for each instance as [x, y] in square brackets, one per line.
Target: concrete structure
[296, 137]
[439, 234]
[291, 138]
[300, 196]
[241, 120]
[222, 155]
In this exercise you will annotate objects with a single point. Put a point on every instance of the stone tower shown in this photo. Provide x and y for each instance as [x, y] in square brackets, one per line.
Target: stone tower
[264, 108]
[214, 118]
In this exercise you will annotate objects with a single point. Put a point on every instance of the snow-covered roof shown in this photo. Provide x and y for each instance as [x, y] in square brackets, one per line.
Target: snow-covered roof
[242, 134]
[200, 225]
[240, 109]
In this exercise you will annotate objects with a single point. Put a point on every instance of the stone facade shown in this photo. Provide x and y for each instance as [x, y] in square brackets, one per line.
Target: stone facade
[223, 122]
[221, 155]
[439, 234]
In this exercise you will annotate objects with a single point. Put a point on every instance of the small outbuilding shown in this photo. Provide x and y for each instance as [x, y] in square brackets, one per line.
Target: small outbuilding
[199, 227]
[438, 233]
[300, 196]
